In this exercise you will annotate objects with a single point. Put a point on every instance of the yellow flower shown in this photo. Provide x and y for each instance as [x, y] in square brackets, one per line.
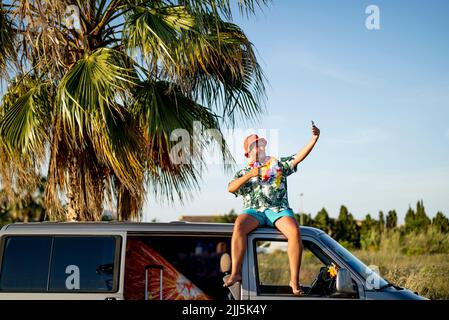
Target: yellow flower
[332, 271]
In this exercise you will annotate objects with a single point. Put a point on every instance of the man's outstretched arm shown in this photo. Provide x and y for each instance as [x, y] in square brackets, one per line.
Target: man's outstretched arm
[304, 152]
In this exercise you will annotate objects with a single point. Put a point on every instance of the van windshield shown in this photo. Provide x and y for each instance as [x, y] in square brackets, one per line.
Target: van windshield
[372, 279]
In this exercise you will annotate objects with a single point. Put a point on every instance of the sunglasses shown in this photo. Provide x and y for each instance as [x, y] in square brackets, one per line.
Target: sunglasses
[256, 143]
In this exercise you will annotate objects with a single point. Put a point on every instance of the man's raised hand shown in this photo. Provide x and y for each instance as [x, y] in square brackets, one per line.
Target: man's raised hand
[315, 132]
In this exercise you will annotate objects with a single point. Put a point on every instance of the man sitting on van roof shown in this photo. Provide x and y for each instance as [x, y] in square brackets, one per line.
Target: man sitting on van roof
[263, 186]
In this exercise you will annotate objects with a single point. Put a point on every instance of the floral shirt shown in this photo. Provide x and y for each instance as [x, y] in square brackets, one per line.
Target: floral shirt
[269, 191]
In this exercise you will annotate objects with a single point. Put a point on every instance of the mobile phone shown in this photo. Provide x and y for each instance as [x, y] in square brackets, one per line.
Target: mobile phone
[312, 123]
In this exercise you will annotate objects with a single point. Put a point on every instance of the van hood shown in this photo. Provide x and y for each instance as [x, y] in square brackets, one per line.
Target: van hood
[392, 293]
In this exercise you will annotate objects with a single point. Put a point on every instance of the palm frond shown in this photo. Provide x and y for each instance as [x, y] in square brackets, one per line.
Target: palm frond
[164, 111]
[152, 31]
[92, 89]
[24, 124]
[91, 95]
[222, 71]
[26, 116]
[223, 8]
[118, 144]
[43, 40]
[7, 35]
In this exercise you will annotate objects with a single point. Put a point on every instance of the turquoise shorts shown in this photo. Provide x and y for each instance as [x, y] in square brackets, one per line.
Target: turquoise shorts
[268, 217]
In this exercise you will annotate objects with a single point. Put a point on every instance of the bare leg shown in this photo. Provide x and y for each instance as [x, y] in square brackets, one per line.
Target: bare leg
[243, 225]
[289, 227]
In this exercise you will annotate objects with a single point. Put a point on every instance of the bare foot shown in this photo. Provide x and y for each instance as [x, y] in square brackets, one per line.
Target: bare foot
[296, 289]
[231, 280]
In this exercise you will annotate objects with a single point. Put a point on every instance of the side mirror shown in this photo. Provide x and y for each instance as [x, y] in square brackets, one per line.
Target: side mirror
[344, 282]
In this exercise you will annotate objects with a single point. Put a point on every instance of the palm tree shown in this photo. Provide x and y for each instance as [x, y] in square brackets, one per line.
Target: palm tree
[96, 88]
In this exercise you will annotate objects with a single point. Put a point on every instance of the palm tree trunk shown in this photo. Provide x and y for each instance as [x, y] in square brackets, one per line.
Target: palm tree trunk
[127, 205]
[73, 205]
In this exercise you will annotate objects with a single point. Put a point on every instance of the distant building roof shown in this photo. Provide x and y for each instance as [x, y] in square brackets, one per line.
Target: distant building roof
[199, 218]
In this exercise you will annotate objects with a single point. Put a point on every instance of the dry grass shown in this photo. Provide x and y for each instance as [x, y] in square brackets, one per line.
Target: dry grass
[426, 274]
[274, 268]
[411, 262]
[417, 261]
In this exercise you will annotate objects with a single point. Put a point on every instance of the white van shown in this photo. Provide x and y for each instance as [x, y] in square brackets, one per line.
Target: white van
[178, 260]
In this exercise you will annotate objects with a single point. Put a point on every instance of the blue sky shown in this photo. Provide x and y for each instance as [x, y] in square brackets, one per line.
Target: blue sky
[380, 98]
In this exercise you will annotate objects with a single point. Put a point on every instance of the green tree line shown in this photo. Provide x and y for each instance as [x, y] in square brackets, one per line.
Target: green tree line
[23, 205]
[369, 232]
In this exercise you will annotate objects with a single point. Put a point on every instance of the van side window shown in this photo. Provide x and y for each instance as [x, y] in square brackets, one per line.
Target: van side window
[81, 263]
[60, 264]
[25, 264]
[273, 271]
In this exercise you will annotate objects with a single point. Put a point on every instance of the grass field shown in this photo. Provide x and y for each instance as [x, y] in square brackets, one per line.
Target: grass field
[417, 261]
[274, 268]
[427, 274]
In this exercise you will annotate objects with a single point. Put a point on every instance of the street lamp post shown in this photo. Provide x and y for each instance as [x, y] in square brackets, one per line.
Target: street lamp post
[301, 211]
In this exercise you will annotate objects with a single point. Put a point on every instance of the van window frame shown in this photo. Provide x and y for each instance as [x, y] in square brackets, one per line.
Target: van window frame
[117, 261]
[256, 264]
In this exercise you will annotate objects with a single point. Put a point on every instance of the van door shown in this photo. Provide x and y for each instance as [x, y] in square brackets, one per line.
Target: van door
[82, 265]
[269, 271]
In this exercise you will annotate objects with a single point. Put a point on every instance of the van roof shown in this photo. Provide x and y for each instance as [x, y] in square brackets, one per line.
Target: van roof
[136, 227]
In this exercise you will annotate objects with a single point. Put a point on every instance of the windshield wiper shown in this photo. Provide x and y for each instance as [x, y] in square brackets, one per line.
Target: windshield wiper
[389, 284]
